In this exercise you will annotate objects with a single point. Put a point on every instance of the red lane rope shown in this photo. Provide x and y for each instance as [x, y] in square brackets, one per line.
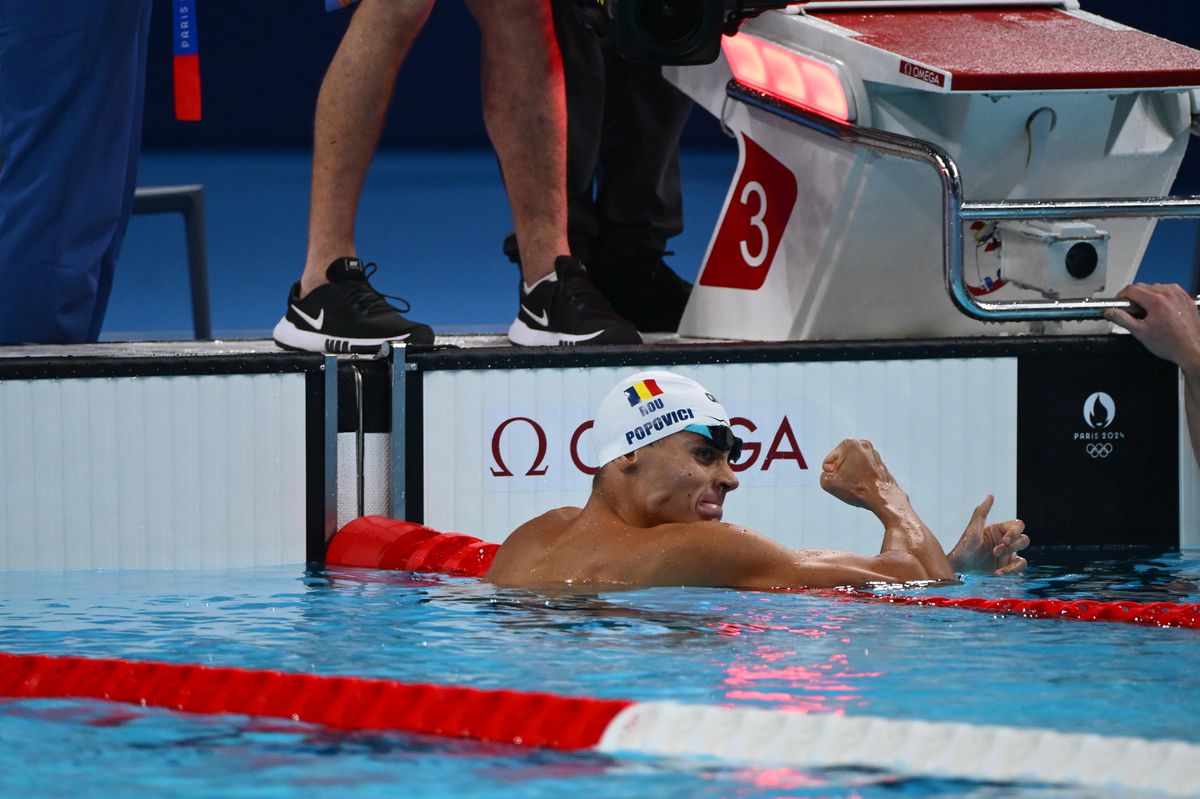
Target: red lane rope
[377, 542]
[1154, 614]
[346, 703]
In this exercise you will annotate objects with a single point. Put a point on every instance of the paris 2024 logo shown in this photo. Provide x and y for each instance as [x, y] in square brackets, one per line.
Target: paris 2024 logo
[1099, 414]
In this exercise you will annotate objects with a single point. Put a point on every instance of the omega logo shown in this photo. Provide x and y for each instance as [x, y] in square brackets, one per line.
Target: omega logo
[922, 73]
[502, 469]
[784, 446]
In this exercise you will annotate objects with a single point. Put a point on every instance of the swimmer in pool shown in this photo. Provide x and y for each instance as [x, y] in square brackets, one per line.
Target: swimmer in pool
[654, 515]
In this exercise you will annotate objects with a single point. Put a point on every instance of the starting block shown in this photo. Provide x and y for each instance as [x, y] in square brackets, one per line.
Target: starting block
[1014, 156]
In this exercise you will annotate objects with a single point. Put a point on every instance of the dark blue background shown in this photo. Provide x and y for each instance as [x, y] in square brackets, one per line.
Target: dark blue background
[262, 64]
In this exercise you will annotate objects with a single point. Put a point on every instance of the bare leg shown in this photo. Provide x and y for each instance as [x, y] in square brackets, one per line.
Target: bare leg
[350, 110]
[525, 112]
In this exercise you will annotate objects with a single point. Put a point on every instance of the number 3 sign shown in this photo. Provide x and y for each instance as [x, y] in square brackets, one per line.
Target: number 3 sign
[756, 215]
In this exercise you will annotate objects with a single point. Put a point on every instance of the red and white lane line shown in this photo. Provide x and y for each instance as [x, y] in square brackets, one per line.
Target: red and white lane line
[937, 749]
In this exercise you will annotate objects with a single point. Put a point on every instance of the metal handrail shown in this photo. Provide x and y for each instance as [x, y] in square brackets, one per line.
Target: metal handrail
[955, 211]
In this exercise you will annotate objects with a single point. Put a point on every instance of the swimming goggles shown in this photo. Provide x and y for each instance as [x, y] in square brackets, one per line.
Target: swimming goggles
[721, 437]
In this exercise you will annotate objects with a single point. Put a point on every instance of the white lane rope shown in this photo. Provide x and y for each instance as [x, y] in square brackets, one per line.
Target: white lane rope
[936, 749]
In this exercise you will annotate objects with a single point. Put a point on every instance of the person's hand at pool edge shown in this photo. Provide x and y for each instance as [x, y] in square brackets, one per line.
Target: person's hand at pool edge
[1170, 329]
[1170, 326]
[990, 548]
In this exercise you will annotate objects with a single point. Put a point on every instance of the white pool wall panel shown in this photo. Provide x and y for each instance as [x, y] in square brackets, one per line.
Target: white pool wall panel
[153, 472]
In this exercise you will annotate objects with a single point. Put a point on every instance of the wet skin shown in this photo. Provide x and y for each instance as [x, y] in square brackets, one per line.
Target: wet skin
[682, 478]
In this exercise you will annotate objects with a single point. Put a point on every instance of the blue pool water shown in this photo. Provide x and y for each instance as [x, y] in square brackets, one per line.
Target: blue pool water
[791, 652]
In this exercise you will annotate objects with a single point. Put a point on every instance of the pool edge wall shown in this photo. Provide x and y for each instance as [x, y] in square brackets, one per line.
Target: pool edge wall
[155, 456]
[163, 456]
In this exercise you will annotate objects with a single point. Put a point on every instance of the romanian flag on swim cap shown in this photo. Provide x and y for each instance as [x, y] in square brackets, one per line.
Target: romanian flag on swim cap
[641, 391]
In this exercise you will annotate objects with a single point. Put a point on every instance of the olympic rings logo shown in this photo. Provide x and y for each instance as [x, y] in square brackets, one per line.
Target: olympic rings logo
[1099, 450]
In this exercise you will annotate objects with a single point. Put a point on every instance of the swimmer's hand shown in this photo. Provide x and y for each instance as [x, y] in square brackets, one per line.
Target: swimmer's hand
[854, 473]
[990, 547]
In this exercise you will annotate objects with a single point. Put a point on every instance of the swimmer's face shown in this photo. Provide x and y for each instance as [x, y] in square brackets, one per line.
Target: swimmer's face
[684, 478]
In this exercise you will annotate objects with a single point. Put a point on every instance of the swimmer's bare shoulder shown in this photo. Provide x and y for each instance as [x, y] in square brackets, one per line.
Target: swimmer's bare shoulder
[530, 543]
[717, 554]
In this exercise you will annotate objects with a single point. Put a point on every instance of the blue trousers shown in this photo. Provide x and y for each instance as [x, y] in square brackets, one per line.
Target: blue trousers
[72, 79]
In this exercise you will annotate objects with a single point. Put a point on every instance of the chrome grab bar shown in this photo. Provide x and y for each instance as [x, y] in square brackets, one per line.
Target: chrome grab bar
[955, 211]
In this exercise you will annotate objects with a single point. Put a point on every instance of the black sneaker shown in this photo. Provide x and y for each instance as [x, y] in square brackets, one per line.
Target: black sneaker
[346, 315]
[642, 288]
[564, 308]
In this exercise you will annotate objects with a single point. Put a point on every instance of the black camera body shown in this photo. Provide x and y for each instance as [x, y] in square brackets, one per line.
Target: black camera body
[678, 32]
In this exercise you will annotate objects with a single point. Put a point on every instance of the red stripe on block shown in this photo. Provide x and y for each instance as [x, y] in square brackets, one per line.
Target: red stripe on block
[346, 703]
[187, 88]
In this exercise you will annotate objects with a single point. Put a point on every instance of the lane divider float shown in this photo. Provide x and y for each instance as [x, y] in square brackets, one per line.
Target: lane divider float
[377, 542]
[743, 735]
[1152, 614]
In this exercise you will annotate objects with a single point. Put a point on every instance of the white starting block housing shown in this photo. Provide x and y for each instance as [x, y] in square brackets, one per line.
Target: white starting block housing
[830, 231]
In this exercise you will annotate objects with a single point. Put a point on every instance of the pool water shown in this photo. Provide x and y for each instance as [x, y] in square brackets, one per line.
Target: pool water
[789, 652]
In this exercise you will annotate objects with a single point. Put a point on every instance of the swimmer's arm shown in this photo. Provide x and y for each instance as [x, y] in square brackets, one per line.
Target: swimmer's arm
[734, 557]
[855, 473]
[906, 536]
[827, 568]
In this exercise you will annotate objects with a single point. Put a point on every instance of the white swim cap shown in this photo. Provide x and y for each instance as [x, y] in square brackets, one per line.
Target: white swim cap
[647, 406]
